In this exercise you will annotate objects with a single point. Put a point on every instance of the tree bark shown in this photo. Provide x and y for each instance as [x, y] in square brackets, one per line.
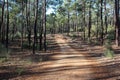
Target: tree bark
[35, 27]
[106, 24]
[7, 29]
[89, 25]
[22, 26]
[68, 24]
[84, 21]
[41, 33]
[117, 21]
[2, 19]
[44, 23]
[102, 29]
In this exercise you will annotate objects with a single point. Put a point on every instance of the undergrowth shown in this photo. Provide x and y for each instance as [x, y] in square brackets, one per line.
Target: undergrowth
[4, 53]
[108, 49]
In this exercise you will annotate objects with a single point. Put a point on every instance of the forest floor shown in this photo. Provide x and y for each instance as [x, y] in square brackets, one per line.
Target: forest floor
[66, 59]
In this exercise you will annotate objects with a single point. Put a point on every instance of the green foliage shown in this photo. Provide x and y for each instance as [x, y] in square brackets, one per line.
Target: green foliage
[96, 42]
[0, 12]
[73, 35]
[110, 35]
[62, 10]
[111, 32]
[19, 71]
[4, 54]
[27, 46]
[17, 35]
[109, 53]
[35, 58]
[81, 29]
[3, 59]
[108, 49]
[108, 44]
[3, 51]
[95, 30]
[48, 42]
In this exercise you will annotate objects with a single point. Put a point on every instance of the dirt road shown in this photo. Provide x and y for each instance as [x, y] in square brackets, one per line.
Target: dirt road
[69, 64]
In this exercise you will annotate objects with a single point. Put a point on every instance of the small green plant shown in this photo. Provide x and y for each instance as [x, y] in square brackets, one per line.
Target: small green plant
[111, 32]
[17, 35]
[19, 71]
[96, 42]
[33, 59]
[109, 53]
[89, 40]
[3, 60]
[4, 53]
[27, 46]
[108, 49]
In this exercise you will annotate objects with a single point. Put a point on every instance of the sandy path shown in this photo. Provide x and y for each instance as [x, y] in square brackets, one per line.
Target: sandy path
[67, 64]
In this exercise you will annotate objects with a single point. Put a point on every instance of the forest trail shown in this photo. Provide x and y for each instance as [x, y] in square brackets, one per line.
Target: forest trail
[67, 63]
[76, 64]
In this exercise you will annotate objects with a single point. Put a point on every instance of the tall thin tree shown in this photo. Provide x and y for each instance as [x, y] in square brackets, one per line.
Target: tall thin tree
[117, 24]
[2, 19]
[89, 25]
[22, 25]
[7, 28]
[35, 26]
[102, 28]
[84, 18]
[44, 23]
[106, 24]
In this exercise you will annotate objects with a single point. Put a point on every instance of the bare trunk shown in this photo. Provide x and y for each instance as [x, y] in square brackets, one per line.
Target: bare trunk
[117, 21]
[22, 28]
[106, 24]
[84, 21]
[2, 19]
[89, 26]
[68, 24]
[7, 29]
[102, 33]
[35, 28]
[44, 23]
[40, 34]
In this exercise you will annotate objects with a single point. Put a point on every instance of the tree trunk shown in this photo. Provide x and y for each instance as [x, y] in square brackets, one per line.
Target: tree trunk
[89, 25]
[29, 26]
[22, 27]
[97, 25]
[117, 21]
[7, 29]
[13, 31]
[106, 24]
[40, 33]
[84, 21]
[35, 27]
[44, 23]
[2, 19]
[102, 31]
[68, 24]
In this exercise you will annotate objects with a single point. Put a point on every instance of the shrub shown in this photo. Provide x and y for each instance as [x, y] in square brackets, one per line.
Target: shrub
[17, 35]
[108, 49]
[109, 53]
[19, 71]
[111, 32]
[27, 46]
[4, 53]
